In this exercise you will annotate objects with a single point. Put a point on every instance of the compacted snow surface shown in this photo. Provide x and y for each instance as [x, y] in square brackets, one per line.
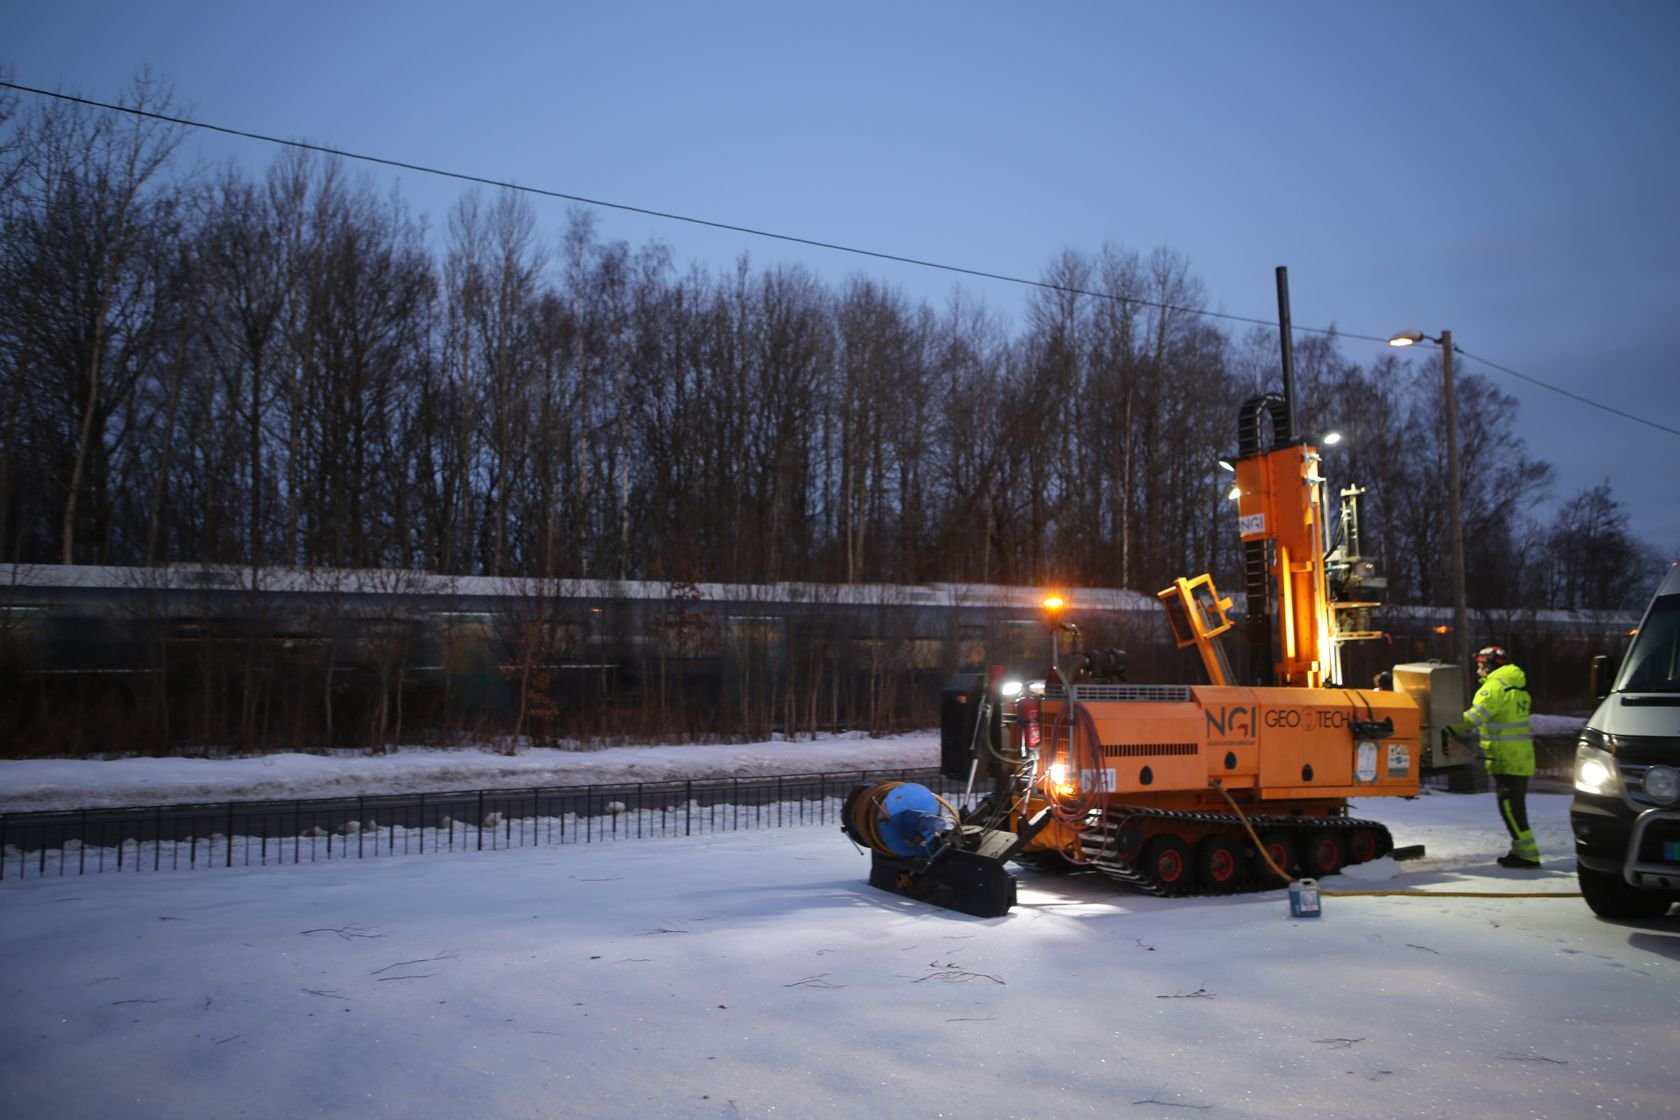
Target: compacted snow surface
[756, 974]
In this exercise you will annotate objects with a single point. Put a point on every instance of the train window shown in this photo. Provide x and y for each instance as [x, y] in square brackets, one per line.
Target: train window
[465, 644]
[300, 648]
[971, 649]
[567, 637]
[1022, 648]
[686, 633]
[875, 653]
[759, 633]
[755, 647]
[927, 653]
[19, 621]
[898, 653]
[545, 639]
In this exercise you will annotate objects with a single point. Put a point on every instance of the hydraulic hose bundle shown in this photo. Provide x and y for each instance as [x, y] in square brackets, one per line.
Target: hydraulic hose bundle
[1072, 800]
[920, 848]
[897, 818]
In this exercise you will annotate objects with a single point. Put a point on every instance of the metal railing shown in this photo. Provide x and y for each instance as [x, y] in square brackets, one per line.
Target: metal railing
[273, 833]
[195, 837]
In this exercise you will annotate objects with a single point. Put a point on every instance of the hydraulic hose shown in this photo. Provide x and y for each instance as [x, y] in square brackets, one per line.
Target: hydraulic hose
[1288, 878]
[1083, 757]
[867, 813]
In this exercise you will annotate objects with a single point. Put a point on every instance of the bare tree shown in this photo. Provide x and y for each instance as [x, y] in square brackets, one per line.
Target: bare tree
[685, 633]
[1594, 563]
[671, 397]
[870, 359]
[248, 277]
[493, 274]
[1112, 390]
[537, 627]
[386, 637]
[84, 244]
[369, 295]
[788, 362]
[973, 496]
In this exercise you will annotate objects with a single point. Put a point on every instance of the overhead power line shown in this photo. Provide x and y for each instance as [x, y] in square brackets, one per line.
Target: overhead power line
[483, 180]
[1572, 396]
[982, 274]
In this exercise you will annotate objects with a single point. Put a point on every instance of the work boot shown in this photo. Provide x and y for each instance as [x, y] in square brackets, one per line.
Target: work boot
[1519, 863]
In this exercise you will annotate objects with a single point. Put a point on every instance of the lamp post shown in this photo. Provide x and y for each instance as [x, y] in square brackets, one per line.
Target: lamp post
[1461, 632]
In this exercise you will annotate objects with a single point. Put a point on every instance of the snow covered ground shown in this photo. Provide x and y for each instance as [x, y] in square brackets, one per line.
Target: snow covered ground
[38, 784]
[756, 974]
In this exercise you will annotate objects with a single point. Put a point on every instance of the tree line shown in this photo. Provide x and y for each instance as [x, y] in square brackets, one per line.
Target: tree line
[290, 369]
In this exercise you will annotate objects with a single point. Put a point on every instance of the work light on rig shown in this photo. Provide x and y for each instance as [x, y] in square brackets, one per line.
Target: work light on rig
[1053, 605]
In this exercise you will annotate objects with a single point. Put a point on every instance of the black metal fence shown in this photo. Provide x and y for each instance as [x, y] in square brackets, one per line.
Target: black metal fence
[270, 833]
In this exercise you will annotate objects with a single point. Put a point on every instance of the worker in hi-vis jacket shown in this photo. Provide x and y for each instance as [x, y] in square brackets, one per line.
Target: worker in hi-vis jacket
[1499, 716]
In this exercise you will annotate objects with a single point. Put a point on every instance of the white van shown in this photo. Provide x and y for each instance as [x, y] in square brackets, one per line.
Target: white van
[1626, 812]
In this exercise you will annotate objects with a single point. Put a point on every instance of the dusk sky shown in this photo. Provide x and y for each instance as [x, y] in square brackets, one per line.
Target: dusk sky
[1505, 170]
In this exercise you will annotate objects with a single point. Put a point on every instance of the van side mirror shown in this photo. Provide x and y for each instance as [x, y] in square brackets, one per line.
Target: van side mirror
[1598, 682]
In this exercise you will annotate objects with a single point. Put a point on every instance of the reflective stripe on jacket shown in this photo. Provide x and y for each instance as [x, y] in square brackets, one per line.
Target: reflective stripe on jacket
[1499, 714]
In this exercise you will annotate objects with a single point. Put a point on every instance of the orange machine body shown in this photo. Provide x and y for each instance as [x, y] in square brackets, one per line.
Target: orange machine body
[1274, 750]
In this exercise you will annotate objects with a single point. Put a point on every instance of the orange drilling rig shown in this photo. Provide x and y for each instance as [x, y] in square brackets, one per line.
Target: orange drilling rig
[1174, 789]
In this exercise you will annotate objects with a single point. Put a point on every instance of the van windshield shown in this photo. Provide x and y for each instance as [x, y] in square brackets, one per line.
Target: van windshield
[1653, 663]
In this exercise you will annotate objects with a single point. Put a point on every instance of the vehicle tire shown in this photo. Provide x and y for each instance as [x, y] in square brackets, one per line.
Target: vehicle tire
[1362, 846]
[1324, 853]
[1220, 866]
[1610, 896]
[1167, 859]
[1275, 844]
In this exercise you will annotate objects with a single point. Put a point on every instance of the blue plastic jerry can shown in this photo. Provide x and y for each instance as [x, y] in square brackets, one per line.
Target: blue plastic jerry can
[1303, 898]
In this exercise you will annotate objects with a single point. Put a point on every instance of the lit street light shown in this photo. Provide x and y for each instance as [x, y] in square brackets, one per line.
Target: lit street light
[1461, 632]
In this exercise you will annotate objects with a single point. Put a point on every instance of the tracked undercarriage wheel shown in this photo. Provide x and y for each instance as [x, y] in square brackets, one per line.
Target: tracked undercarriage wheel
[1362, 845]
[1220, 865]
[1276, 845]
[1324, 853]
[1167, 859]
[1128, 840]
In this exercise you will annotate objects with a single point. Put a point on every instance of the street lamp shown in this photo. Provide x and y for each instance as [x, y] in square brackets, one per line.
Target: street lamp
[1235, 491]
[1460, 629]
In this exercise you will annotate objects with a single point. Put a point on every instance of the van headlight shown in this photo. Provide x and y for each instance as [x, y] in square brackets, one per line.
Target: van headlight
[1595, 772]
[1662, 784]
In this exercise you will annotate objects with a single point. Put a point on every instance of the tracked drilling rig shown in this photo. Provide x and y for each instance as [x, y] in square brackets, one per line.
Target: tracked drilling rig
[1175, 789]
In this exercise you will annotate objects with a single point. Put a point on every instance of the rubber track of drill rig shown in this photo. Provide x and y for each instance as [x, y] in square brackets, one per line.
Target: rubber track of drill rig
[1099, 845]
